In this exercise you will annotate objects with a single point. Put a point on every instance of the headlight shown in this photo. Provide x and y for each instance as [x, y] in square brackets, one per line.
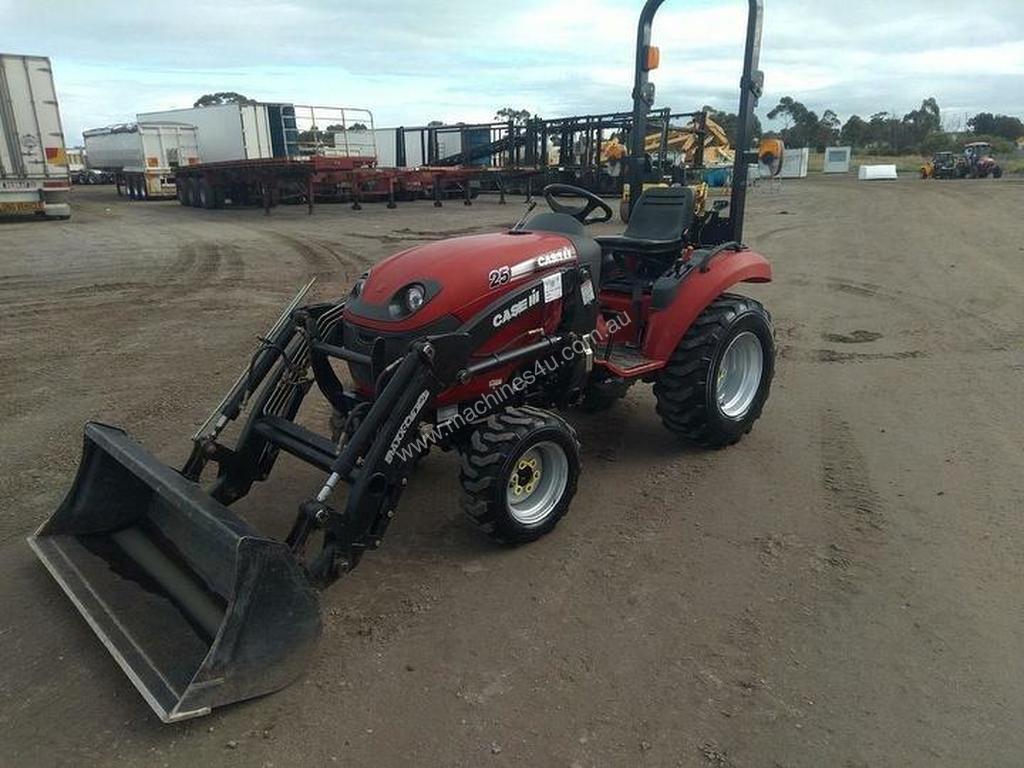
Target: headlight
[357, 289]
[415, 295]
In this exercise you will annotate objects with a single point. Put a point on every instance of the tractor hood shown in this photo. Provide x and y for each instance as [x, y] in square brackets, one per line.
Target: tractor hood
[458, 277]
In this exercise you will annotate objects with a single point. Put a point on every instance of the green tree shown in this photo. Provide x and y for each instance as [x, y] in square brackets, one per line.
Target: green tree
[517, 116]
[918, 124]
[1006, 126]
[801, 124]
[827, 132]
[222, 97]
[854, 132]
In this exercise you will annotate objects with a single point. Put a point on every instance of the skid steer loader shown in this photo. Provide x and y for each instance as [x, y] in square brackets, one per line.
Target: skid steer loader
[472, 344]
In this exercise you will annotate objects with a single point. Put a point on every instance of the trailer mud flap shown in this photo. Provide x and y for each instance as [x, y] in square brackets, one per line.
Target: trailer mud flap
[198, 609]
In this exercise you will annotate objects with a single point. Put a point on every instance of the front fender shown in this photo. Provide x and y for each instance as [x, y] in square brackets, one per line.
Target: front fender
[667, 326]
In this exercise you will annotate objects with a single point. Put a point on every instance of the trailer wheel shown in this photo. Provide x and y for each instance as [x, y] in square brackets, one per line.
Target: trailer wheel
[717, 380]
[519, 472]
[207, 195]
[193, 192]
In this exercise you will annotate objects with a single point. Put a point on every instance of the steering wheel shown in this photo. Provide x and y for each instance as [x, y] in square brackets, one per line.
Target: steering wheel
[580, 213]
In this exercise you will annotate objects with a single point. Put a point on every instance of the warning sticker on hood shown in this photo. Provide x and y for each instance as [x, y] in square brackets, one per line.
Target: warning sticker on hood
[552, 287]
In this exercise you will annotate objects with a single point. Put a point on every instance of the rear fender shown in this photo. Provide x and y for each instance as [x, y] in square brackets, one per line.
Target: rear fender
[666, 327]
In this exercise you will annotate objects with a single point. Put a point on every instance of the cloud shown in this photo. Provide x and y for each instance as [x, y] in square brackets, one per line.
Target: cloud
[414, 61]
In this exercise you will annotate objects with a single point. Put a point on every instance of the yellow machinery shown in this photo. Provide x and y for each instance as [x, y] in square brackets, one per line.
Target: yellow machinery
[683, 141]
[769, 156]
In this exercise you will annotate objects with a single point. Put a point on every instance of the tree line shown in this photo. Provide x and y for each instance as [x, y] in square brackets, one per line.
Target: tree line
[918, 131]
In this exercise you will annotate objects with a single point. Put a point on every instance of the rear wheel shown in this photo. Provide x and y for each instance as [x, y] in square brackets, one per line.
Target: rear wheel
[717, 380]
[205, 195]
[519, 473]
[193, 192]
[208, 195]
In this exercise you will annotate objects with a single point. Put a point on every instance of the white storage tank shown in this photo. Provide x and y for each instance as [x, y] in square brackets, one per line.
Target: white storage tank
[34, 176]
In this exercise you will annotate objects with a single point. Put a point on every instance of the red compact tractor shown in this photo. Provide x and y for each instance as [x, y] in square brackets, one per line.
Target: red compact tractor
[977, 162]
[476, 345]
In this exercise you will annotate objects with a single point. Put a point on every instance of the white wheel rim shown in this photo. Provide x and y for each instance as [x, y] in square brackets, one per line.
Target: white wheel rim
[739, 375]
[537, 482]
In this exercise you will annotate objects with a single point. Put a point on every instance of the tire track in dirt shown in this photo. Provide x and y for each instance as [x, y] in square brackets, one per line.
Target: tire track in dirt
[324, 261]
[790, 352]
[845, 479]
[770, 233]
[421, 235]
[196, 267]
[917, 303]
[970, 331]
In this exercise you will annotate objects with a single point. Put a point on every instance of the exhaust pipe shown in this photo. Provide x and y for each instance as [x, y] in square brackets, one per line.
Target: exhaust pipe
[197, 608]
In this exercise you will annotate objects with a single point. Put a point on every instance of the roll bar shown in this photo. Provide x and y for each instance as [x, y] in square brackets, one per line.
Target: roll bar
[751, 86]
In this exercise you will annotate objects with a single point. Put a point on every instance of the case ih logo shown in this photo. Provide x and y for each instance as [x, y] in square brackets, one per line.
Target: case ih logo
[556, 256]
[515, 310]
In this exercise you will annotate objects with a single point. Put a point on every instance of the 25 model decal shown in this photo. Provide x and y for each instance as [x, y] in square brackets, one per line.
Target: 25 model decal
[498, 277]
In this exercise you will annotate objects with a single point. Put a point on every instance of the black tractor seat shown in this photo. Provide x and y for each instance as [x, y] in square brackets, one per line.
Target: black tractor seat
[657, 224]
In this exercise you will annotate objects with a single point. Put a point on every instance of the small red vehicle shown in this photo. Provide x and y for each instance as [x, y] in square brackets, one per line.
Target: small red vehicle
[978, 163]
[475, 344]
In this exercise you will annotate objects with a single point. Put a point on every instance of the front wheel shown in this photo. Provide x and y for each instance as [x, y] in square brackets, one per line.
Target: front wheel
[717, 380]
[519, 473]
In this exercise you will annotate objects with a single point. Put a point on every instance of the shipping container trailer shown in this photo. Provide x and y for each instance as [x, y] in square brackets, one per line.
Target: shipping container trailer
[229, 132]
[34, 176]
[143, 156]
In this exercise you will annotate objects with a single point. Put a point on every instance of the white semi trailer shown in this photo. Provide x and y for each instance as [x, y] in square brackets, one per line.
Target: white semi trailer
[232, 132]
[143, 156]
[34, 176]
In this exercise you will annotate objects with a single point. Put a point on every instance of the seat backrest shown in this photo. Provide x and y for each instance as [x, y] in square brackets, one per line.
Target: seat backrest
[661, 213]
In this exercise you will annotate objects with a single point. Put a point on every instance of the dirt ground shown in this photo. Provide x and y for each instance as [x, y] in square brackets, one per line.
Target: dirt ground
[842, 588]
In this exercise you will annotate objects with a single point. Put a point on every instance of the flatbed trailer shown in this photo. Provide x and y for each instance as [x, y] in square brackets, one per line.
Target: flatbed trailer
[270, 181]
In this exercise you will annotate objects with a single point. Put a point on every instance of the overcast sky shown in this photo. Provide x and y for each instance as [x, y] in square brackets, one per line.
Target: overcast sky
[412, 61]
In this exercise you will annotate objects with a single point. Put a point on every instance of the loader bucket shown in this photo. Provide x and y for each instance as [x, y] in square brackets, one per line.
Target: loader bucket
[197, 607]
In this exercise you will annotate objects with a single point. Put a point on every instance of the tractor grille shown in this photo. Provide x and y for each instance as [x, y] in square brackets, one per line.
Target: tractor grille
[360, 339]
